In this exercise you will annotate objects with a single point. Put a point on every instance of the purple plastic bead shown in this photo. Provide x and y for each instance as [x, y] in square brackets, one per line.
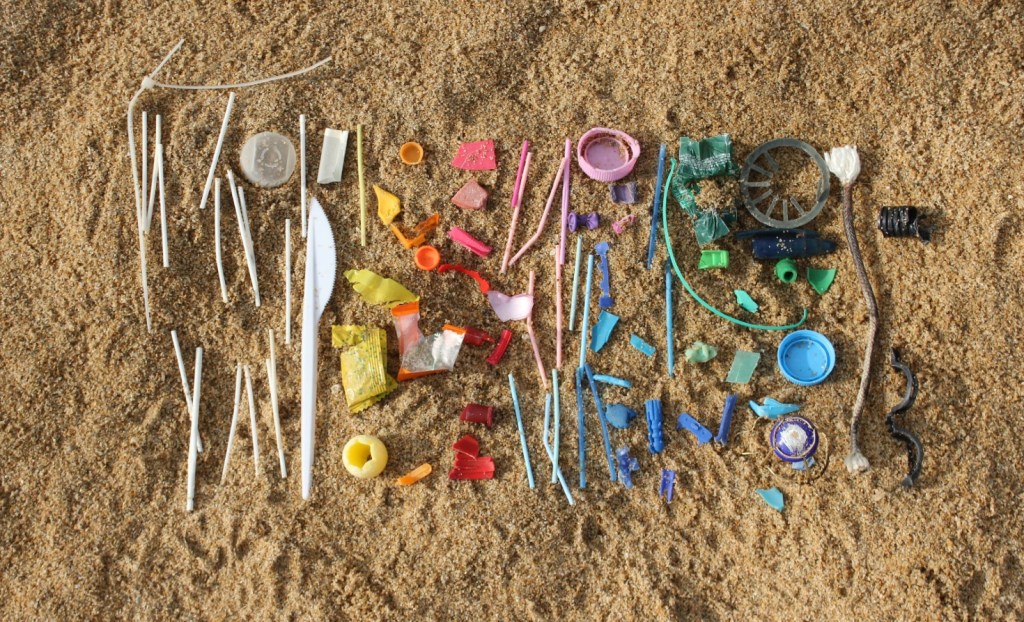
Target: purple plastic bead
[793, 439]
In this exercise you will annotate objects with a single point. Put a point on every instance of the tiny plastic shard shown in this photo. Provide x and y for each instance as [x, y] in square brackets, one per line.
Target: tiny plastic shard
[821, 279]
[377, 290]
[655, 435]
[388, 205]
[623, 193]
[772, 409]
[619, 415]
[363, 373]
[332, 157]
[688, 423]
[476, 156]
[499, 350]
[716, 259]
[602, 330]
[478, 413]
[668, 484]
[471, 196]
[414, 475]
[644, 347]
[469, 242]
[510, 308]
[745, 302]
[473, 274]
[743, 366]
[773, 497]
[726, 423]
[411, 153]
[615, 380]
[619, 226]
[627, 466]
[267, 159]
[700, 352]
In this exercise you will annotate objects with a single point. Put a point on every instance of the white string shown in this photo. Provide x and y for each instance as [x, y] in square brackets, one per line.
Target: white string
[241, 85]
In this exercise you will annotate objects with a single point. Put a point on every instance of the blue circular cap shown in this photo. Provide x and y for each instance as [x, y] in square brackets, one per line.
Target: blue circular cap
[806, 357]
[793, 439]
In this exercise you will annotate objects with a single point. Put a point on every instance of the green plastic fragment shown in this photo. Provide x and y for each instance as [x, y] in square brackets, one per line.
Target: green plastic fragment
[773, 497]
[700, 160]
[743, 366]
[786, 270]
[821, 279]
[744, 300]
[713, 259]
[700, 352]
[709, 227]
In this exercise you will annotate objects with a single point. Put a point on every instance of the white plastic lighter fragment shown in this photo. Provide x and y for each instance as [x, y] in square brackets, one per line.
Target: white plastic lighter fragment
[193, 436]
[252, 421]
[184, 379]
[216, 240]
[844, 162]
[287, 280]
[332, 157]
[234, 422]
[274, 406]
[217, 150]
[321, 264]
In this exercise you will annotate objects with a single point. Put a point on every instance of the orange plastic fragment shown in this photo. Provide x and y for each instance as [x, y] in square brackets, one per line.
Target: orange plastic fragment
[415, 475]
[423, 229]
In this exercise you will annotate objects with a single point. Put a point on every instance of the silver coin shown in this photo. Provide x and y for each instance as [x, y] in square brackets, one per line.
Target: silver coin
[268, 159]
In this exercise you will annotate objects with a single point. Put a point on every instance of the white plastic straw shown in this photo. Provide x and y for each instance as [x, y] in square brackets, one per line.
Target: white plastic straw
[302, 171]
[234, 422]
[252, 421]
[159, 172]
[152, 184]
[216, 239]
[272, 378]
[217, 149]
[240, 85]
[287, 280]
[145, 159]
[184, 378]
[241, 214]
[193, 437]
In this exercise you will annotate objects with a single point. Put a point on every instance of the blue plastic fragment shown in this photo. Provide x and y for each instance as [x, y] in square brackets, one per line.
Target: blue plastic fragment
[619, 415]
[581, 429]
[770, 244]
[668, 484]
[803, 465]
[641, 345]
[619, 382]
[602, 330]
[772, 409]
[655, 436]
[627, 464]
[670, 340]
[605, 301]
[723, 427]
[686, 422]
[655, 207]
[603, 418]
[773, 497]
[743, 366]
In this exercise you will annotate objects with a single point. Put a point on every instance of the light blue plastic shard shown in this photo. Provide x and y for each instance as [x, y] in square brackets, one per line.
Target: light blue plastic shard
[602, 330]
[743, 366]
[772, 409]
[773, 497]
[802, 465]
[641, 345]
[615, 380]
[744, 300]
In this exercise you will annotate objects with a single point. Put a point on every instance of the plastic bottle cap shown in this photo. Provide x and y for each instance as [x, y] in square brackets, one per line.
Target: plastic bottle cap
[806, 357]
[607, 155]
[411, 153]
[427, 257]
[786, 270]
[268, 159]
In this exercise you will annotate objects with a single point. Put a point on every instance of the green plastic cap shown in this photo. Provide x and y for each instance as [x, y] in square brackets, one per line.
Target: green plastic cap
[786, 270]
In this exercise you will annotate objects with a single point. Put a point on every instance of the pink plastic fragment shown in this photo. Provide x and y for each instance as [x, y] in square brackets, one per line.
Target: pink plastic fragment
[510, 308]
[620, 225]
[476, 156]
[471, 196]
[499, 350]
[472, 244]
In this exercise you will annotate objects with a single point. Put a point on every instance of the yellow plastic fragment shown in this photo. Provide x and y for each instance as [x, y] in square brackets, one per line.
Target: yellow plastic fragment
[363, 374]
[415, 475]
[378, 290]
[388, 205]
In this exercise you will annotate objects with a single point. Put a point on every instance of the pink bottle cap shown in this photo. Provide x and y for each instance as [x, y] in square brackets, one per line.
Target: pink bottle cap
[607, 155]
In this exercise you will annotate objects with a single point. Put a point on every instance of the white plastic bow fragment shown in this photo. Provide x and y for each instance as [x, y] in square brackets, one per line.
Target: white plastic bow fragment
[844, 162]
[321, 264]
[508, 307]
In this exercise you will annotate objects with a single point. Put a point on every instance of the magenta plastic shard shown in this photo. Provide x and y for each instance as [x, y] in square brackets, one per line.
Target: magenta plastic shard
[471, 196]
[476, 156]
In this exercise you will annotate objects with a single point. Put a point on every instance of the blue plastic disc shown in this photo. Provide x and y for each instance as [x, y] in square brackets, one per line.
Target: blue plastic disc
[806, 357]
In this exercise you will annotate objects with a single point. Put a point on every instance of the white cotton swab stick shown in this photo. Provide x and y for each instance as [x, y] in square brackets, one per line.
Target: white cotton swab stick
[152, 184]
[216, 239]
[302, 172]
[145, 159]
[287, 280]
[193, 437]
[159, 172]
[184, 378]
[144, 277]
[272, 378]
[234, 422]
[252, 421]
[216, 151]
[243, 229]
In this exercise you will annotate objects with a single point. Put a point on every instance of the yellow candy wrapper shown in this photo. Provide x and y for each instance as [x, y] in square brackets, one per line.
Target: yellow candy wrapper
[363, 374]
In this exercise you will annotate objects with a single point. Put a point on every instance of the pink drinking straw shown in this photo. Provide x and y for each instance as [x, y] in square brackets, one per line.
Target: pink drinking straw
[533, 337]
[543, 218]
[517, 198]
[519, 172]
[565, 201]
[558, 314]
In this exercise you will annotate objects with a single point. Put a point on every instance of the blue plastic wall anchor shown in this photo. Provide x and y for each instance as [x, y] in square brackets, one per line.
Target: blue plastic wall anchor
[627, 464]
[605, 301]
[723, 427]
[686, 422]
[668, 484]
[655, 437]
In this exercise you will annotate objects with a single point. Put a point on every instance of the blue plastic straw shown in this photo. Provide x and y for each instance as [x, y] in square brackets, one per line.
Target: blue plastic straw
[604, 421]
[669, 335]
[551, 456]
[555, 469]
[575, 282]
[655, 206]
[522, 432]
[584, 328]
[581, 428]
[619, 382]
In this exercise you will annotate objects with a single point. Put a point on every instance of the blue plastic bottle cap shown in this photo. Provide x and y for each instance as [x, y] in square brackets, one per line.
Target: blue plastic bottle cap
[806, 357]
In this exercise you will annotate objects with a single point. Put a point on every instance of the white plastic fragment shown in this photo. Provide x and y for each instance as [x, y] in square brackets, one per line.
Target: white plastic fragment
[242, 215]
[152, 185]
[217, 149]
[287, 280]
[332, 157]
[159, 172]
[184, 378]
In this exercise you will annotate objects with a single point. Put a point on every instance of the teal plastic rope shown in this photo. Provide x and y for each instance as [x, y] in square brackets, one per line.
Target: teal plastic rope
[682, 279]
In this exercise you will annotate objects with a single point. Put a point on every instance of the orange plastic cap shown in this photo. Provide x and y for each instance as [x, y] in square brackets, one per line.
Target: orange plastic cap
[411, 153]
[427, 257]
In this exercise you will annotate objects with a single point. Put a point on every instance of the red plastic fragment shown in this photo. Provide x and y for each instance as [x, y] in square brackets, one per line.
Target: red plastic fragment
[476, 337]
[471, 196]
[476, 156]
[478, 413]
[480, 281]
[499, 350]
[466, 445]
[468, 463]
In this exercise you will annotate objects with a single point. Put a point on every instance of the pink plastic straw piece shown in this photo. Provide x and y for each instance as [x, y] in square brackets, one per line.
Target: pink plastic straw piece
[472, 244]
[519, 172]
[543, 217]
[516, 208]
[565, 201]
[533, 339]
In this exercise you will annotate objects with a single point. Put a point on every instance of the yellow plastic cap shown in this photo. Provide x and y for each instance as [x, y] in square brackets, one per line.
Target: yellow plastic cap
[364, 456]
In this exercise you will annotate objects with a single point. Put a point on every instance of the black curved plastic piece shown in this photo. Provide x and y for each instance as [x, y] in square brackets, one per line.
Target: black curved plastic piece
[915, 451]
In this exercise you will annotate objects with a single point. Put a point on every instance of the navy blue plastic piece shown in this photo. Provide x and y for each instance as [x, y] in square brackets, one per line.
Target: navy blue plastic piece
[619, 415]
[605, 301]
[771, 244]
[723, 427]
[686, 422]
[655, 437]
